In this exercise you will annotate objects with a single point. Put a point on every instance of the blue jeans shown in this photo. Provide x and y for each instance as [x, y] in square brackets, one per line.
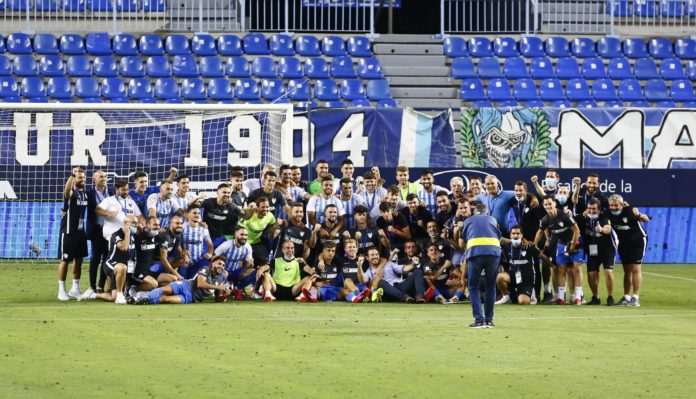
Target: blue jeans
[476, 265]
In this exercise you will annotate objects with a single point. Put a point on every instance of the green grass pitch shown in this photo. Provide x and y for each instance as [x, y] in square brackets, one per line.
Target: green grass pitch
[50, 349]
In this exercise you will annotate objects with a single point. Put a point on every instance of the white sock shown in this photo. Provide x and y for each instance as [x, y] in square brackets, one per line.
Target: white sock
[547, 287]
[76, 283]
[141, 294]
[627, 297]
[561, 292]
[635, 297]
[61, 286]
[578, 292]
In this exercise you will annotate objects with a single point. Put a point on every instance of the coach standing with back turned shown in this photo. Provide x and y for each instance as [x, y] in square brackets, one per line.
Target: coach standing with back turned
[482, 237]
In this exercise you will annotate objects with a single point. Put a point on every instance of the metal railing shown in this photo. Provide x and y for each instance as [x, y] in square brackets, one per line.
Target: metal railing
[486, 16]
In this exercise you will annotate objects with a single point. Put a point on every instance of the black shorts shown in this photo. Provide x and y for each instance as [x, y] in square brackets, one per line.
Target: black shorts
[283, 293]
[108, 270]
[522, 289]
[71, 247]
[260, 254]
[606, 260]
[632, 252]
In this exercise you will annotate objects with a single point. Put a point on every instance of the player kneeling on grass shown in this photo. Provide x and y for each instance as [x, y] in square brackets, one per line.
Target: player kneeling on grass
[373, 274]
[121, 253]
[436, 272]
[196, 242]
[517, 281]
[349, 266]
[164, 270]
[240, 261]
[208, 280]
[286, 283]
[327, 284]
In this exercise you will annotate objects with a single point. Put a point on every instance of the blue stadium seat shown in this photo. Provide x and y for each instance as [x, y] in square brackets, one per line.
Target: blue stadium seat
[264, 67]
[272, 89]
[661, 48]
[515, 68]
[203, 45]
[671, 8]
[691, 69]
[505, 47]
[691, 8]
[532, 47]
[78, 65]
[671, 69]
[645, 8]
[166, 89]
[666, 104]
[154, 5]
[193, 89]
[8, 87]
[640, 104]
[304, 105]
[682, 90]
[463, 68]
[359, 46]
[378, 90]
[140, 88]
[158, 66]
[146, 100]
[290, 68]
[25, 65]
[551, 90]
[246, 89]
[370, 68]
[360, 103]
[282, 45]
[619, 68]
[32, 87]
[541, 68]
[177, 100]
[59, 88]
[645, 68]
[508, 104]
[104, 66]
[99, 5]
[587, 104]
[211, 67]
[621, 8]
[472, 90]
[561, 104]
[316, 68]
[86, 88]
[151, 45]
[656, 90]
[480, 47]
[689, 104]
[46, 5]
[352, 89]
[482, 104]
[220, 89]
[334, 104]
[567, 68]
[74, 5]
[112, 88]
[387, 103]
[525, 90]
[557, 47]
[45, 43]
[72, 44]
[489, 68]
[255, 44]
[51, 65]
[583, 47]
[93, 100]
[333, 46]
[609, 47]
[42, 100]
[98, 43]
[185, 66]
[126, 5]
[534, 104]
[308, 46]
[326, 90]
[593, 68]
[298, 90]
[2, 45]
[177, 45]
[635, 48]
[19, 43]
[5, 66]
[498, 90]
[131, 66]
[18, 5]
[685, 49]
[578, 90]
[614, 104]
[238, 67]
[455, 47]
[229, 45]
[630, 90]
[124, 45]
[603, 90]
[342, 67]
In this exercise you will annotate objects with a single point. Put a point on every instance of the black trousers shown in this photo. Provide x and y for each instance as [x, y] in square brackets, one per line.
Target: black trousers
[100, 250]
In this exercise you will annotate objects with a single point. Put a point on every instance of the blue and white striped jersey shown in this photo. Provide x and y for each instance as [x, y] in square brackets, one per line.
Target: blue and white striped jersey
[429, 198]
[234, 254]
[318, 204]
[349, 209]
[194, 241]
[164, 209]
[183, 202]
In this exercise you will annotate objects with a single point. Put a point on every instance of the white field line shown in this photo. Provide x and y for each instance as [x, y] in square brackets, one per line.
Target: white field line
[668, 276]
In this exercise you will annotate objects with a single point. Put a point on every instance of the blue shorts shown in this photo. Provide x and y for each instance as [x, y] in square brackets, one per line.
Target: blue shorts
[361, 287]
[235, 277]
[329, 293]
[192, 269]
[219, 240]
[183, 289]
[566, 260]
[458, 258]
[156, 269]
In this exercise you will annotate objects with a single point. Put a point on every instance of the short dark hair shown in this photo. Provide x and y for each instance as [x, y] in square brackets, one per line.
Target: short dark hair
[120, 183]
[394, 189]
[293, 167]
[138, 175]
[411, 196]
[516, 227]
[284, 167]
[182, 177]
[269, 173]
[223, 185]
[347, 161]
[192, 207]
[326, 178]
[260, 200]
[521, 183]
[475, 178]
[328, 245]
[385, 206]
[441, 193]
[426, 172]
[594, 201]
[237, 173]
[369, 175]
[297, 204]
[549, 196]
[593, 174]
[322, 161]
[345, 180]
[359, 209]
[223, 258]
[330, 206]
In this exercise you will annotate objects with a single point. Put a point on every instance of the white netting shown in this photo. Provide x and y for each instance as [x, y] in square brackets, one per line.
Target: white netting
[40, 145]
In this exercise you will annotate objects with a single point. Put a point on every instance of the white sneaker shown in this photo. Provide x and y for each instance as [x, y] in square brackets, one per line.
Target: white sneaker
[75, 292]
[505, 299]
[120, 299]
[256, 295]
[440, 299]
[63, 296]
[269, 297]
[132, 292]
[87, 295]
[533, 301]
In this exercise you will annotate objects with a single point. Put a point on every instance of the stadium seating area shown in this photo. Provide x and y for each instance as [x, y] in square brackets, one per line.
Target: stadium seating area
[581, 72]
[330, 72]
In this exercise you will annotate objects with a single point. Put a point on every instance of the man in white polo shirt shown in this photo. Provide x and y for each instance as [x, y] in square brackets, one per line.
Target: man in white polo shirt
[115, 208]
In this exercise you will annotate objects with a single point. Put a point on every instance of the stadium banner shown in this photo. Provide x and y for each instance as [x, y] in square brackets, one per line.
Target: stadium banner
[351, 3]
[597, 138]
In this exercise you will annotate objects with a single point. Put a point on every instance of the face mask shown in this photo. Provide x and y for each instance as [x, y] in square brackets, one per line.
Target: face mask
[150, 233]
[133, 230]
[517, 242]
[593, 217]
[285, 258]
[561, 199]
[550, 182]
[521, 199]
[616, 213]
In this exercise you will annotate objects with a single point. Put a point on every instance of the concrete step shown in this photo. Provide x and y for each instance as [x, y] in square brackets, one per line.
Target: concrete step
[428, 81]
[424, 92]
[405, 49]
[416, 71]
[429, 103]
[412, 60]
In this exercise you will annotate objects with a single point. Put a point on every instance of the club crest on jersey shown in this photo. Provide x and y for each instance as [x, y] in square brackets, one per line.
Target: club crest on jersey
[560, 224]
[369, 235]
[523, 253]
[273, 201]
[225, 211]
[302, 233]
[625, 220]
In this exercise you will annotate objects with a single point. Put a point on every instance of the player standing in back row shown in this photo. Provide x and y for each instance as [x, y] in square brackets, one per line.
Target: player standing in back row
[73, 241]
